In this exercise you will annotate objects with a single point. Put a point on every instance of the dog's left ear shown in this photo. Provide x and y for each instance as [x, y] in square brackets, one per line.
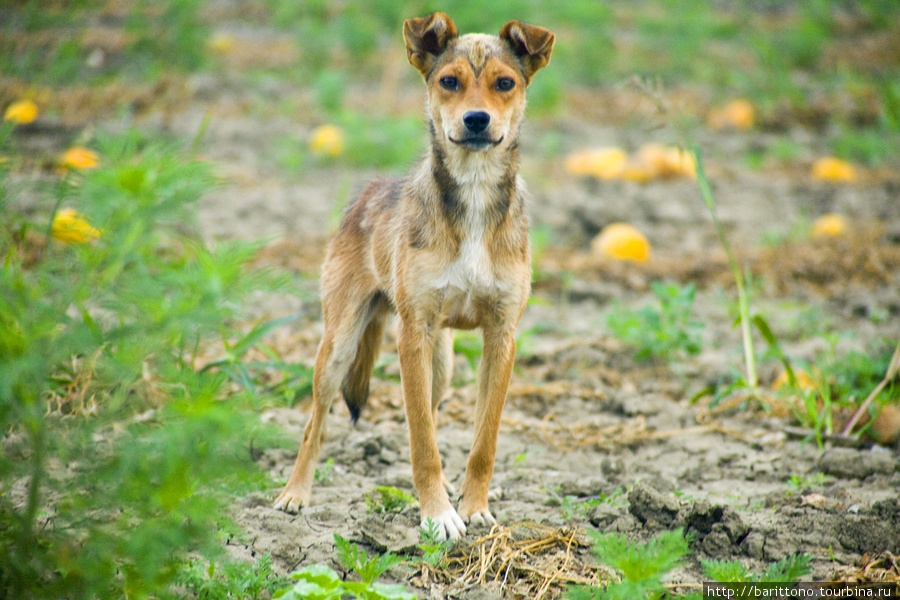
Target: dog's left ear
[531, 44]
[426, 38]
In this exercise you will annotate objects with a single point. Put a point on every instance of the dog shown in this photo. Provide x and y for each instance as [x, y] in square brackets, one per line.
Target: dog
[445, 247]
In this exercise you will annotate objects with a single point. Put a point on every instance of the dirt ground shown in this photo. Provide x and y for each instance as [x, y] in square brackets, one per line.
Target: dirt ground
[584, 420]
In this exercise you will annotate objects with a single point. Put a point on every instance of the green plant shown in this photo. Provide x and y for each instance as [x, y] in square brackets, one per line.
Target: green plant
[295, 378]
[664, 332]
[231, 580]
[355, 559]
[743, 298]
[385, 499]
[318, 582]
[470, 345]
[643, 566]
[787, 570]
[432, 546]
[323, 473]
[801, 483]
[570, 506]
[103, 416]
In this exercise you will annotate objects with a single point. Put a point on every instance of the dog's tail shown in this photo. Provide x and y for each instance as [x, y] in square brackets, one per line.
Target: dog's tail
[356, 384]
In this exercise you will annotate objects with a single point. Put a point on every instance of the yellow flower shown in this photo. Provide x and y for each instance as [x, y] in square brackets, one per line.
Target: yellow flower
[21, 112]
[621, 241]
[602, 163]
[79, 157]
[737, 114]
[834, 169]
[327, 140]
[71, 228]
[830, 225]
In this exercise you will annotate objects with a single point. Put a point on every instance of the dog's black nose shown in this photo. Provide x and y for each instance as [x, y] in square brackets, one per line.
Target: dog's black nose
[476, 120]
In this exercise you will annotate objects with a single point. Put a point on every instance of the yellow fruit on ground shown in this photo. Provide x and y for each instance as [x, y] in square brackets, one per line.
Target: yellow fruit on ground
[327, 140]
[79, 157]
[21, 112]
[221, 43]
[621, 241]
[737, 114]
[71, 228]
[830, 225]
[602, 163]
[834, 169]
[666, 161]
[805, 381]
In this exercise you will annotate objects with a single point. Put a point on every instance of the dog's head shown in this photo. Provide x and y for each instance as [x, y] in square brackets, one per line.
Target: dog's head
[476, 83]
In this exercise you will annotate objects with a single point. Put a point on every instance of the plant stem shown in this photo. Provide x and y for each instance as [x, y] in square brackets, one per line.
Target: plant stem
[743, 299]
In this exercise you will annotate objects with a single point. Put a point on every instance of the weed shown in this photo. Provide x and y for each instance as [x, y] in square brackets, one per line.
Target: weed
[231, 580]
[355, 559]
[470, 345]
[384, 499]
[323, 473]
[801, 483]
[643, 566]
[322, 583]
[432, 547]
[98, 332]
[296, 379]
[664, 332]
[571, 507]
[787, 570]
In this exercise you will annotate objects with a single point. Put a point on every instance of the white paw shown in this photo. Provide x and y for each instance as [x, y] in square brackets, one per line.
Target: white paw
[482, 518]
[449, 525]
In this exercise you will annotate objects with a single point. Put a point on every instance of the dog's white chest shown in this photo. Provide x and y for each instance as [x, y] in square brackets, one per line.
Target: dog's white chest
[471, 271]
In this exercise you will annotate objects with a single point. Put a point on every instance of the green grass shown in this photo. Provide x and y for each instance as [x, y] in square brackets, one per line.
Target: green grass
[666, 331]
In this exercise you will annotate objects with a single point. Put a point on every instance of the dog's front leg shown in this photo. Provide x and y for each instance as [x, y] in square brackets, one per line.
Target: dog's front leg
[415, 345]
[493, 380]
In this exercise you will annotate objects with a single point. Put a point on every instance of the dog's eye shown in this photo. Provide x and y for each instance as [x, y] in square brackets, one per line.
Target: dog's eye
[504, 84]
[450, 83]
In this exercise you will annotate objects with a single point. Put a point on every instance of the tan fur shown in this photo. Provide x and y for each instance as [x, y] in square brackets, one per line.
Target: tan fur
[446, 247]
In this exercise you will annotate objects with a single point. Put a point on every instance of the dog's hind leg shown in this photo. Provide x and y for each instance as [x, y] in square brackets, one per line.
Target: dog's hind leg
[337, 354]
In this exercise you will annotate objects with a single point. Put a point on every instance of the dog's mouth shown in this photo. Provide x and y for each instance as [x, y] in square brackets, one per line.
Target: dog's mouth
[476, 142]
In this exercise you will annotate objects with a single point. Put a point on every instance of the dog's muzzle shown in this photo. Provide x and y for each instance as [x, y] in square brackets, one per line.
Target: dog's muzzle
[477, 136]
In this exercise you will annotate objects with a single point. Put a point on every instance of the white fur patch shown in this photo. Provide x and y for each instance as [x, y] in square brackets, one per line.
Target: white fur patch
[475, 178]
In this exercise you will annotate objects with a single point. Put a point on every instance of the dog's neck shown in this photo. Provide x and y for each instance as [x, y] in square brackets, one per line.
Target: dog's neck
[475, 186]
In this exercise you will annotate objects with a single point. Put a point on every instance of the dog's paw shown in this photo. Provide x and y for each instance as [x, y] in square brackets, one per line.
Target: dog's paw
[449, 525]
[482, 518]
[291, 501]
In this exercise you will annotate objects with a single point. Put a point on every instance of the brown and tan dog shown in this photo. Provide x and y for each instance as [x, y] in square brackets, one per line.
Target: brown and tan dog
[446, 247]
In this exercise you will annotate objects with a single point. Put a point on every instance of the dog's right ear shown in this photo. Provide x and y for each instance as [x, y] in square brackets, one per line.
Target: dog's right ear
[426, 38]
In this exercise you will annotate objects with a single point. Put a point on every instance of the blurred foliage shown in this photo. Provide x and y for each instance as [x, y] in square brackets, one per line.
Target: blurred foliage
[117, 451]
[668, 331]
[64, 41]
